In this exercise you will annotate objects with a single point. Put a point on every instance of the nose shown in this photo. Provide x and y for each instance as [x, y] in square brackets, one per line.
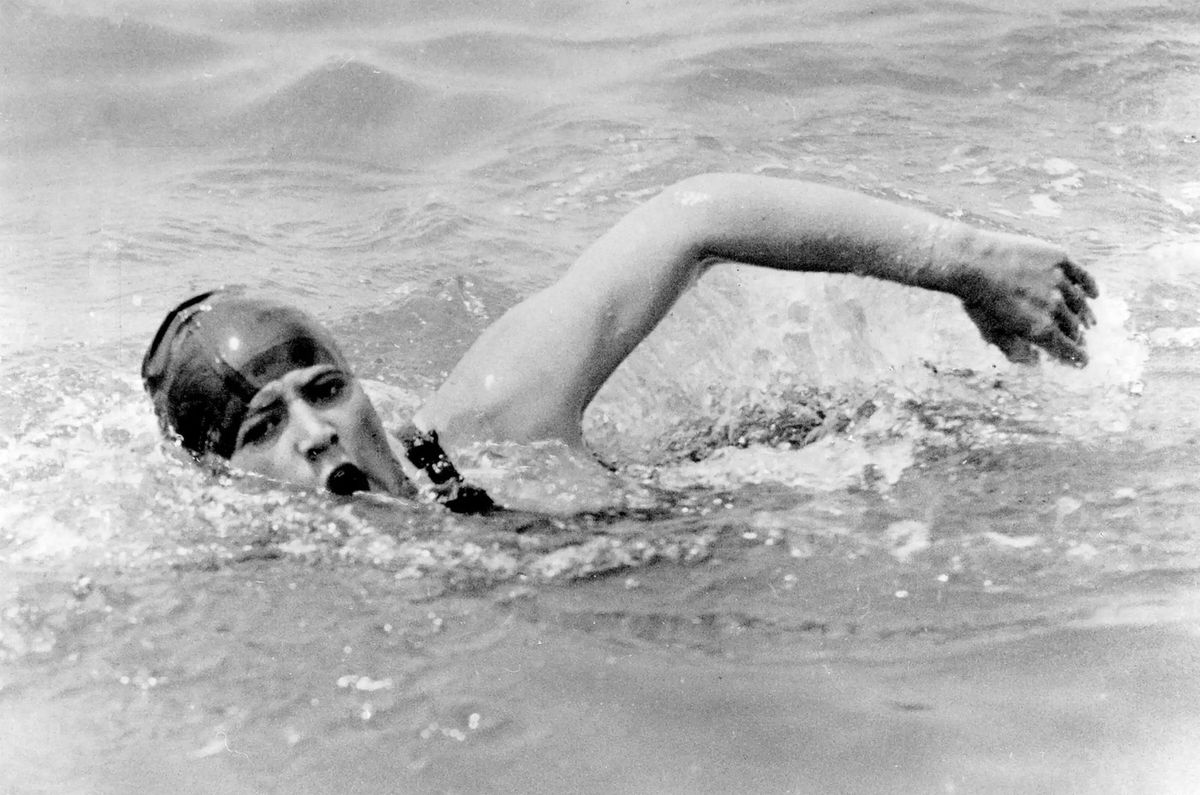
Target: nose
[314, 433]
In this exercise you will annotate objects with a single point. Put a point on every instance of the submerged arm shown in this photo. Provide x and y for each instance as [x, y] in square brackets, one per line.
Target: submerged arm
[531, 374]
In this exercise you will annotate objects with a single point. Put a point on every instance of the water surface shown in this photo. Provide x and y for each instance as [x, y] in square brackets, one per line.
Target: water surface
[981, 578]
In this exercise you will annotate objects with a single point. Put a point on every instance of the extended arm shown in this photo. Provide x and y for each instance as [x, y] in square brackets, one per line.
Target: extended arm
[532, 373]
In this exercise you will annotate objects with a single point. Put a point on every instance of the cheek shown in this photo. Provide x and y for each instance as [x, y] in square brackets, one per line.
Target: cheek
[364, 427]
[272, 462]
[253, 459]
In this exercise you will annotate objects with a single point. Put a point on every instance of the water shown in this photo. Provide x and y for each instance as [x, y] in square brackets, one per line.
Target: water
[979, 578]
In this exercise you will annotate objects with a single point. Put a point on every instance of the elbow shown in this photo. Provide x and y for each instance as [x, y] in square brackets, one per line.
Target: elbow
[693, 209]
[701, 189]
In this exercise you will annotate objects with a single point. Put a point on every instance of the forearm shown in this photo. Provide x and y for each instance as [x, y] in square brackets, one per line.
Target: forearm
[1020, 292]
[801, 226]
[631, 276]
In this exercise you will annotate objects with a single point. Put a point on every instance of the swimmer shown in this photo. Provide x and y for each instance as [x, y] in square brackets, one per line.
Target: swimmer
[264, 387]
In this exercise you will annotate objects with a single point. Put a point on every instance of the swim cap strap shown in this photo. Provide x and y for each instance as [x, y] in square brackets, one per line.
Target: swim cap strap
[426, 454]
[156, 362]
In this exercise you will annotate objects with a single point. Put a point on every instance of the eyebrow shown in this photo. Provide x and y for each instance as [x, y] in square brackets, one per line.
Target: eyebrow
[260, 404]
[272, 390]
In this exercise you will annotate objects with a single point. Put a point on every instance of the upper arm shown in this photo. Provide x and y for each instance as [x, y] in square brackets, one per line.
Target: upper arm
[532, 373]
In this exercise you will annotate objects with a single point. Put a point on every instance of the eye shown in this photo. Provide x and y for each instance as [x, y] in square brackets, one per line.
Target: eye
[325, 388]
[259, 428]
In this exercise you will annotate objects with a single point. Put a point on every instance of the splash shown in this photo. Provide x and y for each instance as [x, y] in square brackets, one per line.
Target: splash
[831, 382]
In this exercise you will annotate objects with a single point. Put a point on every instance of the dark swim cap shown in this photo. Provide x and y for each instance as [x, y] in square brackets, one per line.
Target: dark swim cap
[214, 352]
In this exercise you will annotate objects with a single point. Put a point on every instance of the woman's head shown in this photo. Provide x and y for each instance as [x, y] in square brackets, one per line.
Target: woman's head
[265, 386]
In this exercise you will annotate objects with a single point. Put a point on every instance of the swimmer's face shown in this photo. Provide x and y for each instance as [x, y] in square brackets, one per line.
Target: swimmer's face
[316, 427]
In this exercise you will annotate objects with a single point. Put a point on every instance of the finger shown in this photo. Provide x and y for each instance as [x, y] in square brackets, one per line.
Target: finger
[1057, 345]
[1016, 349]
[1077, 274]
[1077, 302]
[1068, 324]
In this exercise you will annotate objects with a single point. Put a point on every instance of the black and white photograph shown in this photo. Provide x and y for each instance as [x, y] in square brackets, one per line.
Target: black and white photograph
[622, 396]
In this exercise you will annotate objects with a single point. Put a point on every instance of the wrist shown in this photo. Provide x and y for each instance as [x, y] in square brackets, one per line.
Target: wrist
[954, 259]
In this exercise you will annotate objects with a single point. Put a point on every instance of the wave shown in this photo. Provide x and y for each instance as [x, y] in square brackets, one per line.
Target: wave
[325, 15]
[797, 70]
[75, 77]
[1107, 58]
[33, 42]
[482, 52]
[72, 77]
[351, 109]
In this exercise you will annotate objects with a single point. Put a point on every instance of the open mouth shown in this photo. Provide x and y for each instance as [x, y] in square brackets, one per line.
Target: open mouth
[346, 479]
